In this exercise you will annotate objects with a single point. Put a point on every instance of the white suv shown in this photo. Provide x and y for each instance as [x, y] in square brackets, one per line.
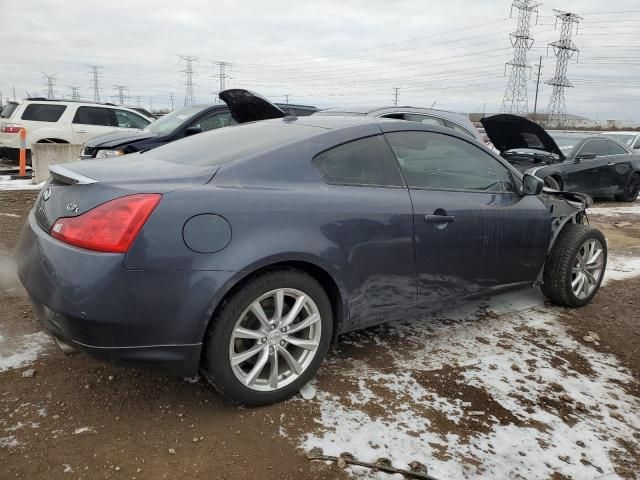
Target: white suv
[62, 121]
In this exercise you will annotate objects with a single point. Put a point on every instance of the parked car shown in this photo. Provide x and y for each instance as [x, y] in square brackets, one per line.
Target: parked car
[245, 251]
[629, 139]
[592, 164]
[62, 121]
[181, 123]
[429, 116]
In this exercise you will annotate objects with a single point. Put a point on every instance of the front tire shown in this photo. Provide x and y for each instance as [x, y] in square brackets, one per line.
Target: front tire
[551, 182]
[269, 338]
[631, 189]
[575, 267]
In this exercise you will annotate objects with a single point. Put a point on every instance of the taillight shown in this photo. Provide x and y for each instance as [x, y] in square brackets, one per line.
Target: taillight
[110, 227]
[10, 128]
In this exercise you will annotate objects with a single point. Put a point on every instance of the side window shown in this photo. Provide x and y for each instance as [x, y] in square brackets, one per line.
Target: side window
[94, 116]
[458, 128]
[636, 146]
[43, 113]
[615, 149]
[425, 119]
[599, 147]
[367, 161]
[217, 120]
[130, 120]
[442, 162]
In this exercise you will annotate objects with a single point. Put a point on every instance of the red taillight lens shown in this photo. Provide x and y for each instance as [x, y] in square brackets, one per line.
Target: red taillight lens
[110, 227]
[10, 128]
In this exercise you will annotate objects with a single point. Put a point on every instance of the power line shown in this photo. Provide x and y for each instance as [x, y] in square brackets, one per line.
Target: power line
[189, 72]
[564, 49]
[515, 96]
[95, 82]
[51, 81]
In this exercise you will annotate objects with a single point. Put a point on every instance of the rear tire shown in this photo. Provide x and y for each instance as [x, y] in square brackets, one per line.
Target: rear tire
[551, 182]
[241, 348]
[631, 189]
[575, 267]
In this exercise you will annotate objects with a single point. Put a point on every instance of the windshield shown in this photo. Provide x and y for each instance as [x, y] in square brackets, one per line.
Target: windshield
[624, 139]
[565, 142]
[8, 109]
[168, 123]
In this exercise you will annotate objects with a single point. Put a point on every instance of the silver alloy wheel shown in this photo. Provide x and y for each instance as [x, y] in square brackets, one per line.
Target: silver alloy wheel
[587, 268]
[275, 339]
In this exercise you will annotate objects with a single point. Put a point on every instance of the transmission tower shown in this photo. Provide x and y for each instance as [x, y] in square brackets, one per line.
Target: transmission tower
[171, 95]
[189, 73]
[395, 96]
[223, 75]
[123, 92]
[564, 49]
[95, 81]
[75, 92]
[51, 81]
[515, 96]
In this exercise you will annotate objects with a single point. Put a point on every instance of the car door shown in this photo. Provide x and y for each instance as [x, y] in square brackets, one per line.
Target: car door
[89, 122]
[620, 166]
[473, 231]
[590, 174]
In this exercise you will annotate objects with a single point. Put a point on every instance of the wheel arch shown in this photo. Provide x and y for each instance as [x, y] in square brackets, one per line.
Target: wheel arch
[52, 140]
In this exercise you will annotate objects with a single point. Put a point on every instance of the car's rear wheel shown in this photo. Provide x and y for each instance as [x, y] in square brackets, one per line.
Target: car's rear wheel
[631, 189]
[269, 338]
[575, 267]
[551, 182]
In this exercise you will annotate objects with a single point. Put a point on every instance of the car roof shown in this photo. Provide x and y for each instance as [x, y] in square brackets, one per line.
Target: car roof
[379, 110]
[331, 122]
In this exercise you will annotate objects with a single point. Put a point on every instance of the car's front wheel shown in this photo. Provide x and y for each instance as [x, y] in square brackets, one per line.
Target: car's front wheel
[575, 267]
[268, 339]
[551, 182]
[631, 189]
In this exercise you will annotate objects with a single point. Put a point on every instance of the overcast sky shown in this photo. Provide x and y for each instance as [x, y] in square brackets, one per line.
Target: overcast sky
[325, 53]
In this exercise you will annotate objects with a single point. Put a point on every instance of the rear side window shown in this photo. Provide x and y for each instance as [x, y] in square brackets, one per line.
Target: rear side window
[458, 128]
[615, 149]
[368, 161]
[130, 120]
[94, 116]
[427, 119]
[40, 112]
[8, 110]
[217, 120]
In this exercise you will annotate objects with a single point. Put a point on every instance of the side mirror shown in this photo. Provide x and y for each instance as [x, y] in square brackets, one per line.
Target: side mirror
[586, 156]
[532, 185]
[192, 131]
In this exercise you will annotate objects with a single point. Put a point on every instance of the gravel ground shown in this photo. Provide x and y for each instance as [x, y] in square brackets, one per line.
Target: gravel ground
[508, 387]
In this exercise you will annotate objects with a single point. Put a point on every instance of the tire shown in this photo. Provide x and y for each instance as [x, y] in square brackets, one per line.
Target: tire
[238, 382]
[559, 267]
[631, 189]
[551, 183]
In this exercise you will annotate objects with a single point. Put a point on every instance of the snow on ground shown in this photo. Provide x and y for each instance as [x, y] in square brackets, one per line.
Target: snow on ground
[487, 390]
[624, 209]
[20, 350]
[7, 184]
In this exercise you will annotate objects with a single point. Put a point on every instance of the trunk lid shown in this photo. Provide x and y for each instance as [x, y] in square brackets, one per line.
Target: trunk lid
[509, 132]
[246, 106]
[77, 187]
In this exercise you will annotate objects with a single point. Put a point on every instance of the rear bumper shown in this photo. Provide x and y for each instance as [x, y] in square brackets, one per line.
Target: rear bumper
[90, 301]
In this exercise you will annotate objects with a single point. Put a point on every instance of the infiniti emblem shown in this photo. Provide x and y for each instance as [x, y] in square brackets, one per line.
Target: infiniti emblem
[47, 194]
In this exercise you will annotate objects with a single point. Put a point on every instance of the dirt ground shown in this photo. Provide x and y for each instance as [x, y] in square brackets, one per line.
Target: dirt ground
[79, 418]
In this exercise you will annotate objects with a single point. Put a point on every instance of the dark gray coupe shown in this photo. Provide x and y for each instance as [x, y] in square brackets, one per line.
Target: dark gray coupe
[245, 251]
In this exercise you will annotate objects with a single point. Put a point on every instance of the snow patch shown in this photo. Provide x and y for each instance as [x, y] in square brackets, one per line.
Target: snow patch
[27, 184]
[621, 267]
[9, 442]
[632, 209]
[20, 350]
[84, 430]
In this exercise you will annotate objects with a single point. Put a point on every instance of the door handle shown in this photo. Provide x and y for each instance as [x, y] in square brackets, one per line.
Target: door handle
[611, 163]
[81, 131]
[439, 218]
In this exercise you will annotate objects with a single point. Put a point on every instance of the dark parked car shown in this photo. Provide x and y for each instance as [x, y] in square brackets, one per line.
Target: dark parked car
[245, 251]
[592, 164]
[184, 122]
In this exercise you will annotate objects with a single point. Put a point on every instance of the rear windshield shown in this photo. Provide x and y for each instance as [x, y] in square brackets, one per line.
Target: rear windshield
[225, 144]
[41, 112]
[8, 110]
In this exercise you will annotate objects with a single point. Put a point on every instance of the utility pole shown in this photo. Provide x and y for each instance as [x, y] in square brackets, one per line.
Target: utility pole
[75, 92]
[14, 92]
[395, 96]
[171, 99]
[189, 72]
[222, 76]
[95, 82]
[535, 103]
[51, 81]
[515, 95]
[121, 93]
[564, 49]
[286, 99]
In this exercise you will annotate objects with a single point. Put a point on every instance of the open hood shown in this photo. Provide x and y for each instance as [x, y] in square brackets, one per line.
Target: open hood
[508, 132]
[246, 106]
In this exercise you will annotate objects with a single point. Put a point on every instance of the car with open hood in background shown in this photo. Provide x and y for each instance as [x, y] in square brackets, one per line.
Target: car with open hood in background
[244, 252]
[593, 164]
[240, 106]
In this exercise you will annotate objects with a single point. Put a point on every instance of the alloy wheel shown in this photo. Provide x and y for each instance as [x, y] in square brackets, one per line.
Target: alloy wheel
[587, 268]
[633, 188]
[275, 339]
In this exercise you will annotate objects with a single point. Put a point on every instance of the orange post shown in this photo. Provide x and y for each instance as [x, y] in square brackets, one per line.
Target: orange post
[23, 152]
